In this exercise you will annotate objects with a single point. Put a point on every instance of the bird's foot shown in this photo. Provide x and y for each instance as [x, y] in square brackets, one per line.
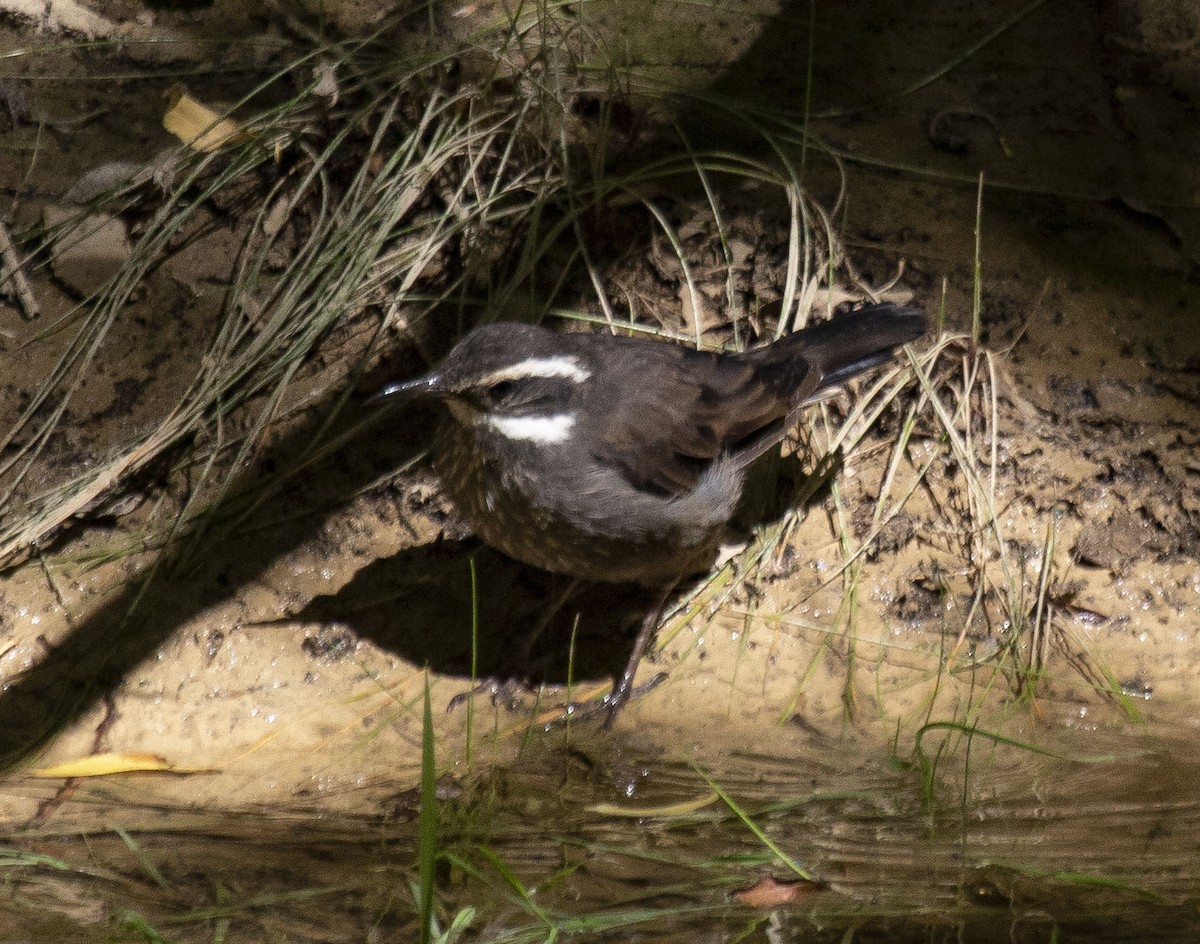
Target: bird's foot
[621, 695]
[510, 691]
[578, 712]
[500, 690]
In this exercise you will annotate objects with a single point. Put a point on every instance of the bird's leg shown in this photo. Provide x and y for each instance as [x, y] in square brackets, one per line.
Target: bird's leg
[624, 686]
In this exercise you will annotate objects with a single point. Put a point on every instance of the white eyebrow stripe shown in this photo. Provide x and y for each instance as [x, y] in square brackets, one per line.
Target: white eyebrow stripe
[557, 366]
[544, 430]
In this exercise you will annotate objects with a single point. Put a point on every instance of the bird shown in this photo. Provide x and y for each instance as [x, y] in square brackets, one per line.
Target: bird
[621, 459]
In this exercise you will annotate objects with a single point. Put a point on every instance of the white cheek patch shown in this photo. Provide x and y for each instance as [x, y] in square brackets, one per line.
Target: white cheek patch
[543, 430]
[558, 366]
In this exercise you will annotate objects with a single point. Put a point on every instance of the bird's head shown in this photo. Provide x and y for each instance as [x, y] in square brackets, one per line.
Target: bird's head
[514, 379]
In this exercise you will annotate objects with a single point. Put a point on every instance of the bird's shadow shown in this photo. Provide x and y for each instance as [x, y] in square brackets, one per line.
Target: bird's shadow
[458, 606]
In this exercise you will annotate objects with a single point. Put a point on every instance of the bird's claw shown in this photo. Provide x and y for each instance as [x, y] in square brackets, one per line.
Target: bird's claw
[498, 689]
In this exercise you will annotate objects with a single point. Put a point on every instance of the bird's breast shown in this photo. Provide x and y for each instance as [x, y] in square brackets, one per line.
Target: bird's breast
[554, 506]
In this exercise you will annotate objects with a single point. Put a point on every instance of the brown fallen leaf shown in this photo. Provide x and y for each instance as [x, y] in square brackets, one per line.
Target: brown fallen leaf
[769, 893]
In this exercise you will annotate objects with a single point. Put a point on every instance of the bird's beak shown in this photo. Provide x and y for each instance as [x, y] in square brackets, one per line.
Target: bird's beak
[427, 386]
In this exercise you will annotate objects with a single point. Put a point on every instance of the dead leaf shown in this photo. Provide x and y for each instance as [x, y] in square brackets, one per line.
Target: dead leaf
[769, 893]
[102, 765]
[668, 811]
[197, 125]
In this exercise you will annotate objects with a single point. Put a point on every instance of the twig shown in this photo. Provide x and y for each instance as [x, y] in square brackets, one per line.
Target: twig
[10, 271]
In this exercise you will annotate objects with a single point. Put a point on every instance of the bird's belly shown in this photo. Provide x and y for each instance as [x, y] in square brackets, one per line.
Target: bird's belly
[554, 523]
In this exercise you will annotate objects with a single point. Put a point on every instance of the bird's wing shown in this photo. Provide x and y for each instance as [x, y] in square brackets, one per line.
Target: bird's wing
[667, 414]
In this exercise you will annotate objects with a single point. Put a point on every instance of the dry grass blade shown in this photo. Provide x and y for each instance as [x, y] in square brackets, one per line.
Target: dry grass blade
[364, 240]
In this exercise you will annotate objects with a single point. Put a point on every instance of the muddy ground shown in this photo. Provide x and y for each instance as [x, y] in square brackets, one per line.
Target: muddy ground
[286, 664]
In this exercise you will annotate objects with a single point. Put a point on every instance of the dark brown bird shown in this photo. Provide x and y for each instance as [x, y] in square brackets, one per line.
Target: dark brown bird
[622, 459]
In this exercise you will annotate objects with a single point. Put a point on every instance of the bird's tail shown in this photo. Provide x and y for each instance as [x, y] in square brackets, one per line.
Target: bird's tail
[799, 366]
[858, 340]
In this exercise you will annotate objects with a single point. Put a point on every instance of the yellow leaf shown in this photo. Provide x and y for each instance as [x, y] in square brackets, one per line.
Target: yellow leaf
[101, 765]
[197, 125]
[669, 811]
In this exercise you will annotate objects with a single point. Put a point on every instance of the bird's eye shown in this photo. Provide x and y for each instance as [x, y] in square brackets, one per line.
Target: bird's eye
[501, 391]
